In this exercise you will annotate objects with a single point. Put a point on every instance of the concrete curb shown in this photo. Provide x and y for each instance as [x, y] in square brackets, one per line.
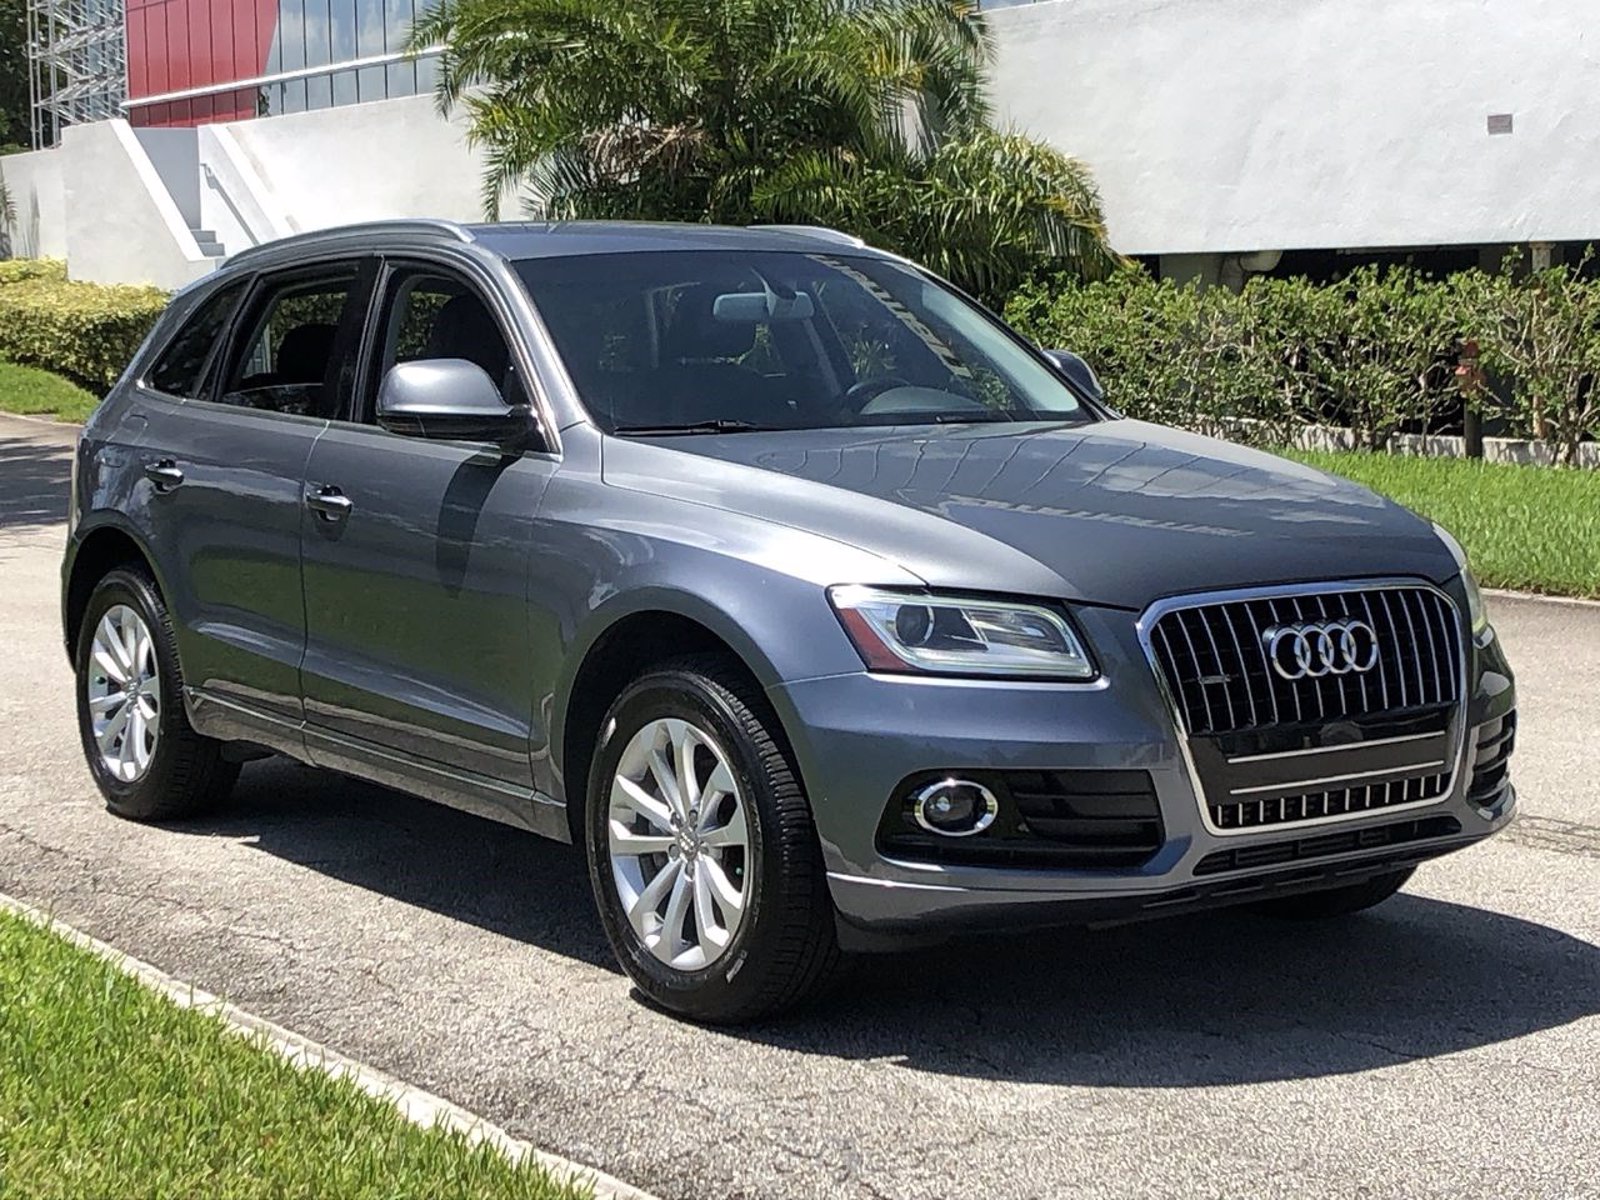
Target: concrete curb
[420, 1107]
[1575, 601]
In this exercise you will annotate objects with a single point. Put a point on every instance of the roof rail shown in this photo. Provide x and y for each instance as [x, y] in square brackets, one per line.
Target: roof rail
[433, 227]
[818, 231]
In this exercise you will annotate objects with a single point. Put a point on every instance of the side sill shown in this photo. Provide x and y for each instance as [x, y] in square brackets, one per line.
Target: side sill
[506, 804]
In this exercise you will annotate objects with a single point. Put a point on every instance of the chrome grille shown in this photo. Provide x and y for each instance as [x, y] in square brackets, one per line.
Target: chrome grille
[1214, 660]
[1363, 714]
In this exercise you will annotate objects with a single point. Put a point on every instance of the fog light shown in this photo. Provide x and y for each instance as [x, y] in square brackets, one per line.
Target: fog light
[955, 807]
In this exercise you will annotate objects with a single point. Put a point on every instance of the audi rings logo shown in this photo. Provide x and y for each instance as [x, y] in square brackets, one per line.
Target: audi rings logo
[1319, 648]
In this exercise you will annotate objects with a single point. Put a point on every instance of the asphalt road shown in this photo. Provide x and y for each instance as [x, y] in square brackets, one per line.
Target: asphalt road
[1447, 1045]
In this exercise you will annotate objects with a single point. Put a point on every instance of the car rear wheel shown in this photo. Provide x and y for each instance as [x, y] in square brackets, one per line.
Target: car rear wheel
[148, 761]
[702, 853]
[1338, 902]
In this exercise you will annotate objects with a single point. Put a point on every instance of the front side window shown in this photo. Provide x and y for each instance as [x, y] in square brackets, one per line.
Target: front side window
[287, 359]
[432, 314]
[179, 369]
[662, 341]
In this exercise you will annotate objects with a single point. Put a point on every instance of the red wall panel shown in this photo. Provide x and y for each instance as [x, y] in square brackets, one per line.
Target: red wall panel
[178, 44]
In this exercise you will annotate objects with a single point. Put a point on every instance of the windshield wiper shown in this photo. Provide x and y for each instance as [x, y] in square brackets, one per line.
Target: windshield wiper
[716, 425]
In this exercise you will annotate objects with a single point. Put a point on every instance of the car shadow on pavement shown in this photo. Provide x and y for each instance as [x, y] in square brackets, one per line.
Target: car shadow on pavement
[1213, 999]
[1224, 998]
[501, 879]
[33, 483]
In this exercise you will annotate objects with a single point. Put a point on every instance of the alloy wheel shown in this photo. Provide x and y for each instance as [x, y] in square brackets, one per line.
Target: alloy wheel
[679, 842]
[123, 688]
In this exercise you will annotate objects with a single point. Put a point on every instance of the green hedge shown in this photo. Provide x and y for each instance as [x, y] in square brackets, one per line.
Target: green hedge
[1377, 351]
[84, 331]
[19, 270]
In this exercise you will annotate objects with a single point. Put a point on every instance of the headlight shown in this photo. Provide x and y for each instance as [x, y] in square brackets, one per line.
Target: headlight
[949, 635]
[1481, 630]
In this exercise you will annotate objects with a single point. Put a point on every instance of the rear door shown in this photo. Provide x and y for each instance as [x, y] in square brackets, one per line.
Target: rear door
[416, 568]
[226, 471]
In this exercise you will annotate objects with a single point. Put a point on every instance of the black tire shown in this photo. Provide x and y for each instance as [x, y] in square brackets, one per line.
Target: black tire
[1337, 902]
[785, 950]
[186, 774]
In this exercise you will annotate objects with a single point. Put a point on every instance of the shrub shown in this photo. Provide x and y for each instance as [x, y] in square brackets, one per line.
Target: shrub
[1180, 354]
[84, 331]
[21, 270]
[1378, 344]
[1544, 333]
[1375, 351]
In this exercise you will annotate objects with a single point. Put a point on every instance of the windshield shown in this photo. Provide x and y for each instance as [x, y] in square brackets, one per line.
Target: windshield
[717, 341]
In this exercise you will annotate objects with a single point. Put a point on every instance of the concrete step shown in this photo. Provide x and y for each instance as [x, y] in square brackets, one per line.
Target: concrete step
[209, 243]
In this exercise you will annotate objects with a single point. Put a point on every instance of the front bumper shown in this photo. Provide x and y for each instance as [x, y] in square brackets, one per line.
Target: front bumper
[858, 736]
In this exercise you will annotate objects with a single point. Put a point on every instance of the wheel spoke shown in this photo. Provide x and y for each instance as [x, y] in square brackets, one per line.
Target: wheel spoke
[114, 728]
[666, 780]
[144, 665]
[108, 638]
[628, 794]
[133, 745]
[684, 740]
[672, 920]
[733, 834]
[129, 632]
[730, 898]
[106, 661]
[712, 936]
[626, 841]
[649, 900]
[101, 705]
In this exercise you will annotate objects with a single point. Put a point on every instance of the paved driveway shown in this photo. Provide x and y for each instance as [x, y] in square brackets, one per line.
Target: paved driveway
[1448, 1045]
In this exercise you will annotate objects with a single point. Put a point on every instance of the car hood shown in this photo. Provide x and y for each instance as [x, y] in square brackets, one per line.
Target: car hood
[1117, 512]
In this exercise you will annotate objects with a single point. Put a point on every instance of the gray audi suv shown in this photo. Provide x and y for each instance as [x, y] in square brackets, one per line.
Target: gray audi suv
[824, 612]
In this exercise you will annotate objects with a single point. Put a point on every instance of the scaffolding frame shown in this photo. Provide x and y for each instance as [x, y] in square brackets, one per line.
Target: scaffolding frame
[77, 64]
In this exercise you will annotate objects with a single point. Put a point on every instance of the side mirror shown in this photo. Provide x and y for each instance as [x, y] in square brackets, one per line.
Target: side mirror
[1077, 371]
[453, 400]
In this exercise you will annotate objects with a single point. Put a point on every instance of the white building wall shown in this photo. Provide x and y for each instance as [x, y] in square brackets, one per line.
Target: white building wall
[38, 194]
[390, 158]
[122, 205]
[123, 225]
[1237, 125]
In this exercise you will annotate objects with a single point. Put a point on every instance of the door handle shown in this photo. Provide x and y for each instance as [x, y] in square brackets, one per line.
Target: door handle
[329, 503]
[164, 474]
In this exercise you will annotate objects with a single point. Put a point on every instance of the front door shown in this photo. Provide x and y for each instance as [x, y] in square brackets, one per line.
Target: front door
[226, 468]
[416, 566]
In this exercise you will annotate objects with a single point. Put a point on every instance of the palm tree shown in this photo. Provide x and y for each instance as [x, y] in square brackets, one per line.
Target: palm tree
[870, 115]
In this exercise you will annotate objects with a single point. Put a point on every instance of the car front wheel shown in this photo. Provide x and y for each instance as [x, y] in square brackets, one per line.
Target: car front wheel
[702, 852]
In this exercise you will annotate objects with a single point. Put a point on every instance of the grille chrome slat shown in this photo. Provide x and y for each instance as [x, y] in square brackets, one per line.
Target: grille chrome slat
[1272, 692]
[1383, 671]
[1227, 692]
[1292, 785]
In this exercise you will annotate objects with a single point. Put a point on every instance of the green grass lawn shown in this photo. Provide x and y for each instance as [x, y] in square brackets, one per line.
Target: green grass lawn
[30, 391]
[110, 1090]
[1536, 529]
